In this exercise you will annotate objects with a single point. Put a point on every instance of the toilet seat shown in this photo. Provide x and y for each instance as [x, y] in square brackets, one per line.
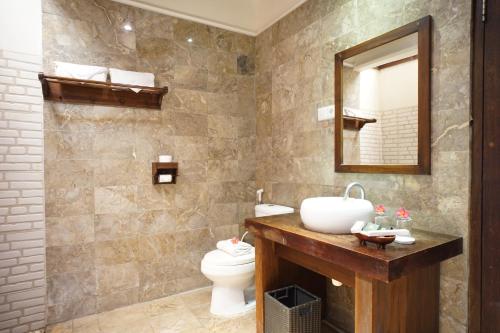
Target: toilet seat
[221, 258]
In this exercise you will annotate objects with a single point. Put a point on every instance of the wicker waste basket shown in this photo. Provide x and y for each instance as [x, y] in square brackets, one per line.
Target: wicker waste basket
[292, 310]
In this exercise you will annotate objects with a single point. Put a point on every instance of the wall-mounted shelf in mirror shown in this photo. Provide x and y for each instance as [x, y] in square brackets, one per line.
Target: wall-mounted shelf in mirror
[385, 84]
[356, 123]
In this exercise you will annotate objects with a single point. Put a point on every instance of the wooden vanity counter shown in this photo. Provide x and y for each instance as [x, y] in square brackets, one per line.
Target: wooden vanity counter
[396, 289]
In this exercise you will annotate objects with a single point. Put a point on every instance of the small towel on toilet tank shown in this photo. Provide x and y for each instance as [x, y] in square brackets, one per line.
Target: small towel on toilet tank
[235, 249]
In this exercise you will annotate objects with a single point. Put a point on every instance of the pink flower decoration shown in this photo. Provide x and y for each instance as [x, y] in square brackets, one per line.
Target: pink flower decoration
[402, 213]
[235, 240]
[379, 209]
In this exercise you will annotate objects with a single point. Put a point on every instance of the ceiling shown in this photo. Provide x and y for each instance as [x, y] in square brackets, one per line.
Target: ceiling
[249, 17]
[396, 50]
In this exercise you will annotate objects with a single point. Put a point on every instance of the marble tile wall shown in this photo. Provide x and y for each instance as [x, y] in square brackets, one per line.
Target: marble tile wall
[294, 76]
[113, 238]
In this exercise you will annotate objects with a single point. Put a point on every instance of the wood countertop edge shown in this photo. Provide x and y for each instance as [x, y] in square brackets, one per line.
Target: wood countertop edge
[385, 270]
[433, 255]
[376, 269]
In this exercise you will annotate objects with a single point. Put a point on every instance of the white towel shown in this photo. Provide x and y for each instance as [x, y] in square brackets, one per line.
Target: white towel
[358, 227]
[382, 233]
[83, 72]
[235, 249]
[133, 78]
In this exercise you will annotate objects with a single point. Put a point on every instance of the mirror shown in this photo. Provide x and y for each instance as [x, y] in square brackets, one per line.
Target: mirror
[382, 103]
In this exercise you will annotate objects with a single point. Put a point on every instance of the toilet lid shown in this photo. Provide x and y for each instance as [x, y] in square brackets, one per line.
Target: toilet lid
[221, 258]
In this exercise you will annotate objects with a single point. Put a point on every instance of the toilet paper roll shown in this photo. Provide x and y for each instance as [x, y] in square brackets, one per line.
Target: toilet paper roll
[165, 178]
[165, 158]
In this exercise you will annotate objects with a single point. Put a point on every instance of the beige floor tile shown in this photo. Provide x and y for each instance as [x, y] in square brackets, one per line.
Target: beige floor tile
[219, 324]
[207, 319]
[88, 324]
[236, 325]
[165, 305]
[122, 317]
[176, 322]
[141, 326]
[197, 330]
[197, 298]
[183, 313]
[66, 327]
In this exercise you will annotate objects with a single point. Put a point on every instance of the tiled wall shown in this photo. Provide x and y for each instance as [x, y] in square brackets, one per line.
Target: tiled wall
[370, 139]
[22, 229]
[393, 139]
[399, 135]
[294, 75]
[112, 237]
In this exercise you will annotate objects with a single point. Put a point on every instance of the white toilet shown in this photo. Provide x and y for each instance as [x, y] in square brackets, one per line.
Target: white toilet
[232, 275]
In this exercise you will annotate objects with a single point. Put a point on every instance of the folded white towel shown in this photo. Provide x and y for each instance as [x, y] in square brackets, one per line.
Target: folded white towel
[83, 72]
[389, 232]
[358, 227]
[235, 249]
[133, 78]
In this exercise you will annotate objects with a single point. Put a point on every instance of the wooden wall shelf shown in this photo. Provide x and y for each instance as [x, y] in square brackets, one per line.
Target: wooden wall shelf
[159, 168]
[69, 90]
[356, 123]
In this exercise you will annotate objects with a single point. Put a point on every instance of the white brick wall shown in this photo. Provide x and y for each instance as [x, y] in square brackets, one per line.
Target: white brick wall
[22, 227]
[370, 139]
[393, 139]
[400, 136]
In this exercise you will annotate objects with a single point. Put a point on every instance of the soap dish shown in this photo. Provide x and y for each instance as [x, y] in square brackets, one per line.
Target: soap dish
[381, 241]
[405, 240]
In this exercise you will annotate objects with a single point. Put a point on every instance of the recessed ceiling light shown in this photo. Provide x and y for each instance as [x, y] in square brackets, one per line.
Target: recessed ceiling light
[127, 27]
[189, 40]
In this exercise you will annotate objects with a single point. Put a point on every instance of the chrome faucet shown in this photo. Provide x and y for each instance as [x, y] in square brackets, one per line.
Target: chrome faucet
[258, 198]
[350, 186]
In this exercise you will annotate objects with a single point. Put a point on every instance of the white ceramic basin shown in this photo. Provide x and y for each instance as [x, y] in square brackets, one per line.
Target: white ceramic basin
[334, 215]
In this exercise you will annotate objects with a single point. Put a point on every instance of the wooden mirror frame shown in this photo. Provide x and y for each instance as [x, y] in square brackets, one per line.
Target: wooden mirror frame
[423, 167]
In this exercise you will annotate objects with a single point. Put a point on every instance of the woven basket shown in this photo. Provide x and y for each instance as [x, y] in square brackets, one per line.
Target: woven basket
[292, 310]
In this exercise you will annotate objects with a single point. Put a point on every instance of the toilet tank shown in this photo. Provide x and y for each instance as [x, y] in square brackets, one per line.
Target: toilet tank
[270, 209]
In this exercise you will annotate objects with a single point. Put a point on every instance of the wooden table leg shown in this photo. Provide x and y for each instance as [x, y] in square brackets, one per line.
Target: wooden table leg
[363, 304]
[409, 304]
[266, 275]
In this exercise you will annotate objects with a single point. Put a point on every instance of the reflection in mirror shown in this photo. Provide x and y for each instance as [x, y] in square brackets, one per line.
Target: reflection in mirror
[380, 104]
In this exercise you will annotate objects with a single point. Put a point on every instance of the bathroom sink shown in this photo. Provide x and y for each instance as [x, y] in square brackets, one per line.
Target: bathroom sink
[335, 215]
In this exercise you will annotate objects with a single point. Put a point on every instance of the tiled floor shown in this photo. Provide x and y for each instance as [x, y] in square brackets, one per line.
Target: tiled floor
[183, 313]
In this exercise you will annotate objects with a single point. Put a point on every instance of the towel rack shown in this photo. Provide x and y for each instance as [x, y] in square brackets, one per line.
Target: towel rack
[77, 91]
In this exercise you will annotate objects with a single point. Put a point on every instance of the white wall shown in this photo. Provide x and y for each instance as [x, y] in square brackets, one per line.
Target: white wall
[369, 94]
[398, 86]
[390, 88]
[249, 17]
[370, 136]
[21, 26]
[22, 221]
[390, 96]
